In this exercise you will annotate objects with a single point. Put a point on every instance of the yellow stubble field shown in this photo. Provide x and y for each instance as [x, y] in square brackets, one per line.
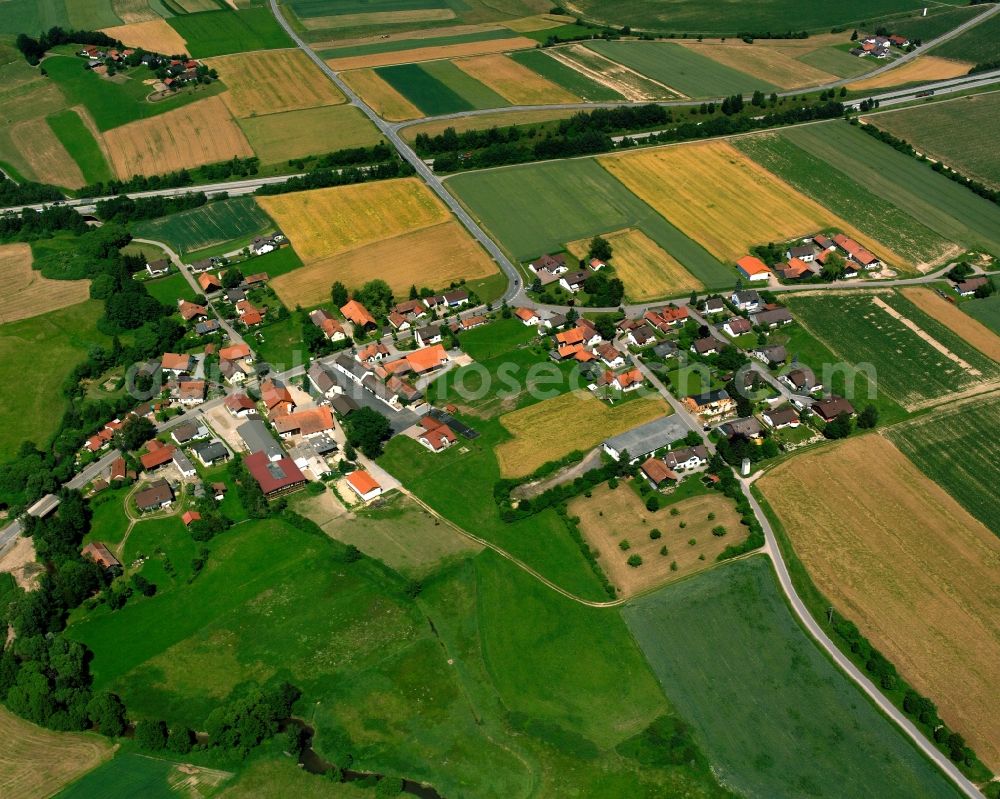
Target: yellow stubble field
[432, 53]
[973, 331]
[27, 293]
[515, 83]
[910, 566]
[49, 160]
[766, 63]
[925, 68]
[723, 200]
[154, 34]
[383, 98]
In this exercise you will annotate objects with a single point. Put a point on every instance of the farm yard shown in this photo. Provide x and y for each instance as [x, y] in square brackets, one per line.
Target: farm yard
[873, 213]
[272, 81]
[976, 334]
[950, 210]
[920, 70]
[947, 132]
[611, 516]
[950, 448]
[276, 138]
[918, 362]
[581, 199]
[27, 293]
[221, 221]
[382, 98]
[572, 80]
[647, 271]
[803, 724]
[859, 544]
[553, 428]
[38, 762]
[748, 204]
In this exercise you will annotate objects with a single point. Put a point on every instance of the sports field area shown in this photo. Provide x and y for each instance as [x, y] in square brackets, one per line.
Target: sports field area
[550, 430]
[915, 359]
[722, 199]
[950, 210]
[857, 539]
[227, 31]
[212, 224]
[38, 762]
[681, 68]
[946, 132]
[846, 194]
[581, 199]
[275, 138]
[770, 710]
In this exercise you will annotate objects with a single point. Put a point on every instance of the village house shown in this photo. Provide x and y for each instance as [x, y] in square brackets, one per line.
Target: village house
[573, 281]
[262, 245]
[427, 335]
[471, 322]
[611, 356]
[709, 345]
[553, 264]
[158, 496]
[640, 337]
[780, 418]
[323, 381]
[802, 380]
[206, 327]
[737, 326]
[188, 432]
[249, 314]
[747, 301]
[711, 403]
[967, 288]
[657, 472]
[358, 315]
[831, 407]
[201, 265]
[191, 392]
[410, 309]
[427, 359]
[350, 367]
[157, 455]
[276, 398]
[801, 252]
[331, 327]
[257, 438]
[665, 349]
[183, 464]
[177, 364]
[234, 295]
[118, 470]
[772, 318]
[686, 457]
[527, 316]
[745, 427]
[364, 485]
[667, 318]
[855, 252]
[190, 310]
[797, 269]
[210, 452]
[398, 322]
[753, 269]
[630, 380]
[773, 355]
[158, 268]
[307, 423]
[275, 477]
[436, 435]
[450, 299]
[373, 353]
[713, 306]
[209, 283]
[98, 552]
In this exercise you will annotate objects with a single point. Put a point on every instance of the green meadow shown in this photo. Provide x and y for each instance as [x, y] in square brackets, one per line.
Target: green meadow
[979, 44]
[227, 31]
[986, 310]
[81, 145]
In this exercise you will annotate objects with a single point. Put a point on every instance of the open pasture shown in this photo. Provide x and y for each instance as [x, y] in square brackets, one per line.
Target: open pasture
[155, 35]
[324, 222]
[920, 70]
[380, 96]
[916, 360]
[874, 213]
[924, 594]
[332, 25]
[276, 138]
[572, 80]
[485, 121]
[555, 427]
[722, 199]
[611, 516]
[949, 132]
[434, 257]
[201, 133]
[681, 68]
[950, 447]
[132, 775]
[226, 31]
[517, 84]
[647, 271]
[580, 200]
[77, 134]
[38, 762]
[429, 52]
[272, 81]
[212, 224]
[773, 714]
[950, 210]
[967, 328]
[755, 65]
[27, 293]
[50, 161]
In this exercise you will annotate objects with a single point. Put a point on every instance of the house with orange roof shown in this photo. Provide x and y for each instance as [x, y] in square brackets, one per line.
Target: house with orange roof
[427, 359]
[307, 423]
[364, 485]
[276, 398]
[527, 316]
[209, 282]
[753, 269]
[235, 352]
[570, 337]
[628, 381]
[331, 328]
[190, 310]
[437, 439]
[356, 313]
[177, 363]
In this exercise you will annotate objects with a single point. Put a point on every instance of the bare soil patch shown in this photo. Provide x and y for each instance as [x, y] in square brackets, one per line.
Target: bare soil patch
[617, 77]
[924, 68]
[19, 561]
[154, 34]
[27, 293]
[976, 333]
[611, 516]
[909, 565]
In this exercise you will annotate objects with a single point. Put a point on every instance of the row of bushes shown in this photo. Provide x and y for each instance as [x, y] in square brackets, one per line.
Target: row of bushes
[223, 170]
[124, 209]
[324, 178]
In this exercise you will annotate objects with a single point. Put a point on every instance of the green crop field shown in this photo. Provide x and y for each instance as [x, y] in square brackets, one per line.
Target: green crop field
[57, 340]
[836, 62]
[872, 212]
[34, 16]
[277, 138]
[908, 368]
[757, 17]
[950, 210]
[396, 45]
[439, 87]
[225, 32]
[951, 132]
[950, 447]
[979, 44]
[112, 103]
[939, 20]
[579, 84]
[326, 8]
[213, 224]
[81, 145]
[774, 715]
[538, 208]
[680, 68]
[126, 776]
[986, 310]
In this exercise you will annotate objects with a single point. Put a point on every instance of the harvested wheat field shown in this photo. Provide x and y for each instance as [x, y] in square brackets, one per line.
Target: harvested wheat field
[49, 160]
[132, 11]
[909, 565]
[556, 427]
[155, 35]
[432, 53]
[935, 306]
[723, 200]
[325, 222]
[646, 269]
[433, 256]
[272, 81]
[27, 293]
[35, 762]
[376, 18]
[383, 98]
[200, 133]
[611, 516]
[515, 83]
[925, 68]
[765, 63]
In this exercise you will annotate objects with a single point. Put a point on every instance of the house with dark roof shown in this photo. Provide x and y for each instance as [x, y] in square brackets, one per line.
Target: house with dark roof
[779, 418]
[746, 300]
[257, 438]
[746, 427]
[831, 407]
[158, 496]
[772, 318]
[802, 380]
[773, 355]
[709, 345]
[711, 403]
[210, 452]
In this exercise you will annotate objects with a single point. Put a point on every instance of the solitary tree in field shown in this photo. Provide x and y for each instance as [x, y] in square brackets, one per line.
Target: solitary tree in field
[600, 248]
[868, 418]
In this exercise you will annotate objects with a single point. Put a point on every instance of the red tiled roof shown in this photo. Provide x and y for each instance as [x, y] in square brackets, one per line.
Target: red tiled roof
[208, 282]
[362, 481]
[428, 358]
[657, 471]
[357, 313]
[234, 352]
[752, 265]
[525, 314]
[157, 457]
[273, 476]
[190, 516]
[175, 361]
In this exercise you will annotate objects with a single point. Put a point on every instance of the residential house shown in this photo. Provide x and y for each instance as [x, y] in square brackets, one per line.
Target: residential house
[158, 496]
[640, 337]
[713, 306]
[831, 407]
[737, 326]
[249, 314]
[257, 438]
[157, 455]
[899, 41]
[343, 405]
[206, 327]
[665, 349]
[427, 359]
[779, 418]
[254, 280]
[657, 472]
[373, 353]
[856, 252]
[437, 436]
[801, 252]
[331, 327]
[190, 310]
[773, 355]
[824, 243]
[191, 392]
[628, 381]
[201, 265]
[611, 356]
[553, 264]
[527, 316]
[101, 555]
[797, 269]
[357, 314]
[118, 471]
[405, 392]
[642, 441]
[471, 322]
[746, 427]
[262, 245]
[188, 432]
[573, 281]
[307, 423]
[711, 403]
[686, 457]
[753, 269]
[350, 367]
[210, 452]
[209, 283]
[234, 371]
[398, 321]
[748, 301]
[277, 398]
[410, 309]
[802, 380]
[709, 345]
[772, 318]
[323, 380]
[968, 288]
[274, 477]
[666, 318]
[427, 335]
[183, 464]
[234, 295]
[176, 363]
[158, 268]
[364, 485]
[236, 352]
